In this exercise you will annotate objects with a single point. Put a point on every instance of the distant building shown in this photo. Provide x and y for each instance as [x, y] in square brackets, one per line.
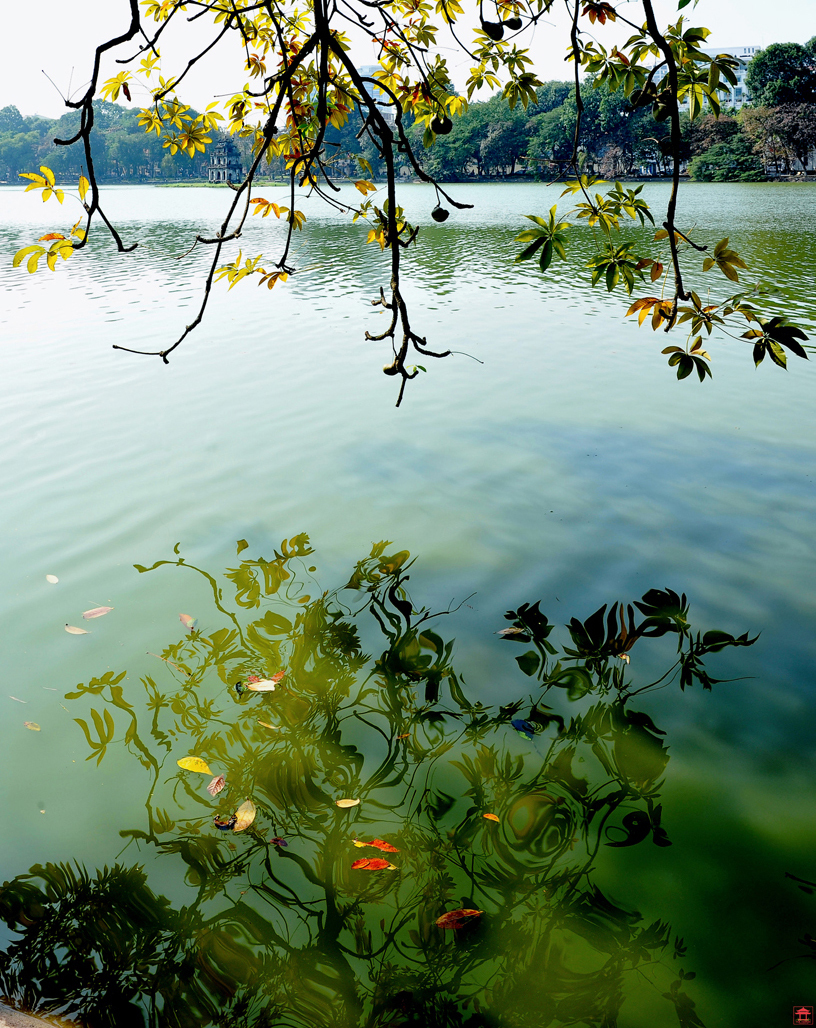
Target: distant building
[737, 95]
[225, 163]
[387, 104]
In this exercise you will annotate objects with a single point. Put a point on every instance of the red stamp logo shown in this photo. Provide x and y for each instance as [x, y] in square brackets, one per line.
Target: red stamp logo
[803, 1015]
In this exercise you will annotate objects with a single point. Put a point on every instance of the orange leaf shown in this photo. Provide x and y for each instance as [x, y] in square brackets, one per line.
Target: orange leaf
[372, 865]
[49, 236]
[456, 918]
[385, 847]
[491, 817]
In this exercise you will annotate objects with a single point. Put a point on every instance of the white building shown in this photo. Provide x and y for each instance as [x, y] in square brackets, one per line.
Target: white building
[387, 104]
[737, 95]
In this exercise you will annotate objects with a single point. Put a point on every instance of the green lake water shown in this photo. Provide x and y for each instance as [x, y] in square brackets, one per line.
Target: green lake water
[570, 467]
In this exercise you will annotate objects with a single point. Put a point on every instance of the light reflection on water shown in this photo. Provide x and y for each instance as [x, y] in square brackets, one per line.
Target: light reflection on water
[571, 465]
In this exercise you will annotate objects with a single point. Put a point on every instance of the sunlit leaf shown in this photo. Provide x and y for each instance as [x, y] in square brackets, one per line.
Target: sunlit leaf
[244, 816]
[52, 579]
[84, 186]
[345, 804]
[73, 630]
[457, 918]
[32, 725]
[491, 817]
[96, 612]
[49, 236]
[194, 764]
[216, 785]
[275, 728]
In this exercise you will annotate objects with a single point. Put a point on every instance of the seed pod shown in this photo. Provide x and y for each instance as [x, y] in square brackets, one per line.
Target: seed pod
[391, 369]
[440, 214]
[494, 29]
[441, 125]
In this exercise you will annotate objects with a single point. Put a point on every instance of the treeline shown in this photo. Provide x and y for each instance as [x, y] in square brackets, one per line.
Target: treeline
[774, 136]
[121, 149]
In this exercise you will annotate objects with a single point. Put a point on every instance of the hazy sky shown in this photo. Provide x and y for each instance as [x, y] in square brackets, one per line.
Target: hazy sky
[59, 36]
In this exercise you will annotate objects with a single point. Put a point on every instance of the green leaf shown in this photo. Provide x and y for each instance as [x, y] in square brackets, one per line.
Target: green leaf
[529, 662]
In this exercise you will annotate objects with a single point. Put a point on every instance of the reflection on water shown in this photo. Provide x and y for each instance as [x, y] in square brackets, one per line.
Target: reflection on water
[502, 811]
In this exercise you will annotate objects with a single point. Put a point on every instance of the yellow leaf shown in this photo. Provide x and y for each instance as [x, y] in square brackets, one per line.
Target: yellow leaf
[491, 817]
[84, 186]
[32, 725]
[345, 804]
[244, 816]
[49, 236]
[275, 728]
[194, 764]
[365, 187]
[48, 173]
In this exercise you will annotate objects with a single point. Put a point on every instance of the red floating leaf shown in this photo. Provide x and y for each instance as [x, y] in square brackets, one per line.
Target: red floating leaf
[490, 817]
[386, 847]
[372, 865]
[457, 918]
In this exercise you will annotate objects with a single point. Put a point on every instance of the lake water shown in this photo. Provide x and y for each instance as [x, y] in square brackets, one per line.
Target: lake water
[569, 466]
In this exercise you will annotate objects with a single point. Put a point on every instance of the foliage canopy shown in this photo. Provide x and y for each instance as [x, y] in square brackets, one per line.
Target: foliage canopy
[296, 83]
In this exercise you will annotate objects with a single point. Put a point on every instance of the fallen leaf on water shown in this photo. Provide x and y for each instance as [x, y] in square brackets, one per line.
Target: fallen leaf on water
[511, 631]
[32, 725]
[344, 804]
[216, 785]
[17, 698]
[52, 579]
[456, 918]
[523, 727]
[256, 684]
[385, 847]
[96, 612]
[73, 630]
[194, 764]
[275, 728]
[372, 865]
[406, 736]
[244, 816]
[187, 621]
[224, 826]
[49, 689]
[491, 817]
[278, 841]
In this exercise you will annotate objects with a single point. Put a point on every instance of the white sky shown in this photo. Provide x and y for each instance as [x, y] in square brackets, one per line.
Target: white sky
[59, 36]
